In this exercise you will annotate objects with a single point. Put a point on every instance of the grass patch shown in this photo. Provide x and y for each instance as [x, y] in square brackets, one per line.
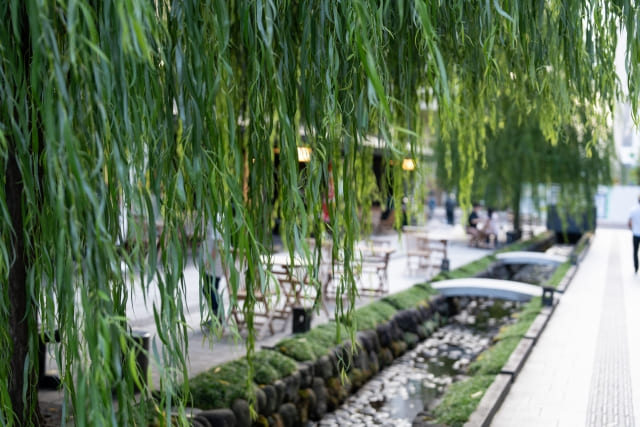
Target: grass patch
[300, 348]
[582, 244]
[523, 245]
[491, 361]
[467, 270]
[313, 344]
[461, 400]
[371, 315]
[559, 274]
[410, 298]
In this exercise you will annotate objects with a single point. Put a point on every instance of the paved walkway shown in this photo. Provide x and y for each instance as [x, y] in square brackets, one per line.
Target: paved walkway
[585, 368]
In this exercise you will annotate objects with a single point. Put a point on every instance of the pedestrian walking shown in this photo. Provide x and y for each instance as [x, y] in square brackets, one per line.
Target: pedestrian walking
[213, 271]
[634, 226]
[432, 204]
[450, 206]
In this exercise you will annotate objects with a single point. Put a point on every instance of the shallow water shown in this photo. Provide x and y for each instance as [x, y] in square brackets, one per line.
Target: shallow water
[419, 377]
[416, 380]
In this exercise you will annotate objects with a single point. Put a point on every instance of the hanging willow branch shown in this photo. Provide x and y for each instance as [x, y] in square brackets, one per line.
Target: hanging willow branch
[186, 113]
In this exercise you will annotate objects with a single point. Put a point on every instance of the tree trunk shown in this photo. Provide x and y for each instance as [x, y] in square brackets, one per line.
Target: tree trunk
[516, 208]
[23, 390]
[20, 314]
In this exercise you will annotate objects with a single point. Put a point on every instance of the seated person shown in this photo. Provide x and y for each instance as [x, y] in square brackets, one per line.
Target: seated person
[490, 229]
[477, 235]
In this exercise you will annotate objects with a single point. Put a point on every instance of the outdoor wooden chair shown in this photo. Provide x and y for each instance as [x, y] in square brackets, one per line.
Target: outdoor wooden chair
[418, 251]
[374, 279]
[263, 311]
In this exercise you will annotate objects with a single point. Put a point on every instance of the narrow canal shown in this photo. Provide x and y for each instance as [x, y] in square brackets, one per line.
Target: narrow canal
[419, 378]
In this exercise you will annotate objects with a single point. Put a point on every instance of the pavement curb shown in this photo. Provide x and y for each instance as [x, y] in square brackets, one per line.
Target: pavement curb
[518, 356]
[491, 401]
[566, 280]
[537, 327]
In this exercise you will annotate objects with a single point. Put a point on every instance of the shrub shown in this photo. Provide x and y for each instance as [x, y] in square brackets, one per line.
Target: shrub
[313, 344]
[410, 298]
[271, 366]
[220, 386]
[298, 348]
[369, 316]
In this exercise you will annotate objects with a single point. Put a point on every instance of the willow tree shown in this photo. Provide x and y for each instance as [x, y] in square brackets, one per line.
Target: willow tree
[172, 110]
[518, 157]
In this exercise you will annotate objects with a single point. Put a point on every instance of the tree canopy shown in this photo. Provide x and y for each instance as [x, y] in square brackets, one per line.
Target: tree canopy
[174, 110]
[518, 158]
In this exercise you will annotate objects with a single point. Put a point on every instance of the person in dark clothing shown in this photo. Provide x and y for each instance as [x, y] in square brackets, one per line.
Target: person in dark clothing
[450, 206]
[634, 226]
[213, 271]
[477, 235]
[432, 204]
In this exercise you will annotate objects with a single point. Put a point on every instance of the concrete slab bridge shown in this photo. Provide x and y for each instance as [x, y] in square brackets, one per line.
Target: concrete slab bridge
[493, 288]
[528, 257]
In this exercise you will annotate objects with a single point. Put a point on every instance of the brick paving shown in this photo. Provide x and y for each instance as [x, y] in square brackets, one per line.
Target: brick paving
[585, 368]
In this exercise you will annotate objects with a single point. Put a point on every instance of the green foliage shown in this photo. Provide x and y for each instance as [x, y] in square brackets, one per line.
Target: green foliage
[467, 270]
[271, 366]
[491, 361]
[155, 113]
[410, 298]
[313, 344]
[559, 274]
[371, 315]
[461, 400]
[505, 168]
[220, 386]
